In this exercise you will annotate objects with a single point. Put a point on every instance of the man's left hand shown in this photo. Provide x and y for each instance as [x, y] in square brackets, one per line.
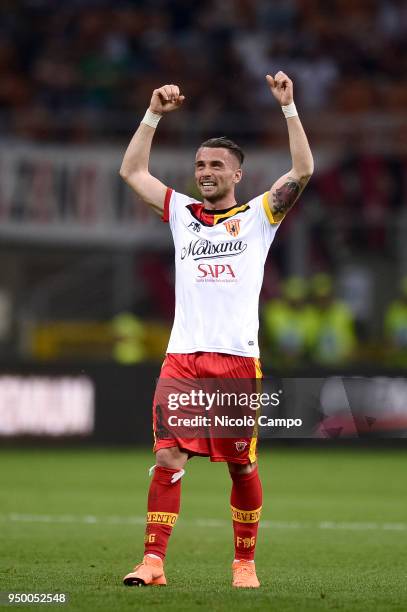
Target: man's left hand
[281, 87]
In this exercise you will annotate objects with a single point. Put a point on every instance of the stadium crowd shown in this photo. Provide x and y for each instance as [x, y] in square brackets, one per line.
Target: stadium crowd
[87, 67]
[307, 322]
[320, 320]
[82, 71]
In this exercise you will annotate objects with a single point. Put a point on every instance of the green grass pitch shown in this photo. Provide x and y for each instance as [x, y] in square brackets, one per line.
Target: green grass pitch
[334, 535]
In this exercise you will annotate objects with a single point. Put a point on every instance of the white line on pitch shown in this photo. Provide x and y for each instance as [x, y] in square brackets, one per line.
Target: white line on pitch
[140, 520]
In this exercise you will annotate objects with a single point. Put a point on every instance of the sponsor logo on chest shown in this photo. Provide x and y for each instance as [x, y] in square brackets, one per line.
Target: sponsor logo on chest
[215, 273]
[206, 249]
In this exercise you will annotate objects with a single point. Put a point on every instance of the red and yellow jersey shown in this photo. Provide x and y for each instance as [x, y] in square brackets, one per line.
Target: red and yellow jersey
[219, 260]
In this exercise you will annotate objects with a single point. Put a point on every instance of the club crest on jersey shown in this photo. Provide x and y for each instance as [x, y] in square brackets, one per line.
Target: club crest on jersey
[240, 446]
[233, 227]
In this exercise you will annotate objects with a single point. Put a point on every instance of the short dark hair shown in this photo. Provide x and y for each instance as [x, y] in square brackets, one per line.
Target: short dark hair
[225, 143]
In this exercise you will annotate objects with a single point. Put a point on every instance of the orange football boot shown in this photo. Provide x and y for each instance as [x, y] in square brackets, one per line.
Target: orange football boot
[148, 573]
[244, 575]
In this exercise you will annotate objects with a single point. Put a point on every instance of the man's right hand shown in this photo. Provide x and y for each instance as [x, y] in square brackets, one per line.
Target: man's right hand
[166, 99]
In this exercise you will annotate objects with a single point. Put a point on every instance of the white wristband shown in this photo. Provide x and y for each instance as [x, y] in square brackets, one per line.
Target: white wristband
[289, 110]
[151, 118]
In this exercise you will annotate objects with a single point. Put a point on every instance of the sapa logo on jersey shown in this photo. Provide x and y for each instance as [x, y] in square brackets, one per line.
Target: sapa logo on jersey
[212, 273]
[233, 227]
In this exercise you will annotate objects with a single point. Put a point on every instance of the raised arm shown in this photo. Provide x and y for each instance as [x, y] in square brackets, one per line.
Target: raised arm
[134, 169]
[286, 190]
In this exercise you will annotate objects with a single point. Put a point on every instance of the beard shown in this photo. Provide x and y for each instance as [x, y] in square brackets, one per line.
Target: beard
[213, 197]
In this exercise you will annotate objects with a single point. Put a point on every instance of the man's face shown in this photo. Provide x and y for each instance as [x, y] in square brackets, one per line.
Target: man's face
[216, 172]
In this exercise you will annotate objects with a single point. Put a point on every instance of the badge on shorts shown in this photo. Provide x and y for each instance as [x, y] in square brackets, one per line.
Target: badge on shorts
[240, 446]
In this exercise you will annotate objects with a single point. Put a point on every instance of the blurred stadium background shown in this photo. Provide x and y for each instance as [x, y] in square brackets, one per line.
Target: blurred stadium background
[86, 288]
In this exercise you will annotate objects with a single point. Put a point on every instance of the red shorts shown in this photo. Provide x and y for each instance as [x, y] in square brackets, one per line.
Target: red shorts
[209, 366]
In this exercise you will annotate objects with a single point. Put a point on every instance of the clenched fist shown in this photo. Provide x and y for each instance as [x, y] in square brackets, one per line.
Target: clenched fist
[166, 99]
[281, 87]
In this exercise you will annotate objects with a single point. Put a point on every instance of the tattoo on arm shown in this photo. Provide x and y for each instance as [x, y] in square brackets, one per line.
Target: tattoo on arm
[285, 196]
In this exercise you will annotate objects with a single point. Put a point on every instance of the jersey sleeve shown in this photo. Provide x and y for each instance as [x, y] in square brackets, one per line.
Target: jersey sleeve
[267, 226]
[165, 218]
[266, 210]
[173, 204]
